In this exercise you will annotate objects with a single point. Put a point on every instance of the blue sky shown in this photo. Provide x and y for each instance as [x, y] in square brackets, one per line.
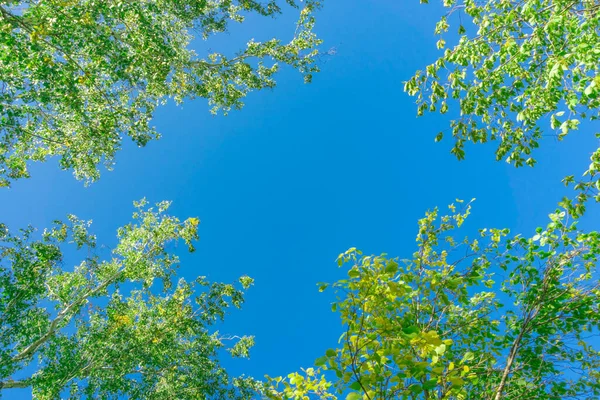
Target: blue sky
[304, 172]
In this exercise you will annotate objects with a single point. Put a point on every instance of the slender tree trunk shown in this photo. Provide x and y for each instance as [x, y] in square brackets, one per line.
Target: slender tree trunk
[10, 384]
[512, 355]
[509, 362]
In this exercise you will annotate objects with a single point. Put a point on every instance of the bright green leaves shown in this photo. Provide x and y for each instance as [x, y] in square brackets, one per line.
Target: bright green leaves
[118, 327]
[551, 276]
[311, 383]
[526, 68]
[432, 326]
[402, 317]
[79, 76]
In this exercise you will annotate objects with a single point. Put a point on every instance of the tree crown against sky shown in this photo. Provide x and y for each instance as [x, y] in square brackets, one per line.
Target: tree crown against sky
[79, 76]
[123, 326]
[492, 317]
[520, 70]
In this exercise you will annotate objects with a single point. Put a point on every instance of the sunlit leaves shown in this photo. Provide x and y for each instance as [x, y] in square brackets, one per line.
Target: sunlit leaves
[484, 318]
[519, 71]
[116, 327]
[79, 76]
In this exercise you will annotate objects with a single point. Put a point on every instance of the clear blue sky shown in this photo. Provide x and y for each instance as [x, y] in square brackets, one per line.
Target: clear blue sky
[305, 171]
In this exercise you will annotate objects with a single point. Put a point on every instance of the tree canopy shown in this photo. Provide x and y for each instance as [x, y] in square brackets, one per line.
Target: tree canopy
[496, 316]
[124, 326]
[519, 70]
[80, 75]
[493, 317]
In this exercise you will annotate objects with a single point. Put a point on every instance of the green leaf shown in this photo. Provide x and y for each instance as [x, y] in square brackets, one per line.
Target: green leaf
[411, 330]
[468, 357]
[319, 362]
[415, 388]
[353, 273]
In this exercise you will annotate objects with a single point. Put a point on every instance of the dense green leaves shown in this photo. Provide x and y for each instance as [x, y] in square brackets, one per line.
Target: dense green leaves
[79, 75]
[116, 327]
[492, 317]
[520, 70]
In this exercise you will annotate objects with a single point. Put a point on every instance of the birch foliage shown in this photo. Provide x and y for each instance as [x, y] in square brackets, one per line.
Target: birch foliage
[79, 76]
[116, 327]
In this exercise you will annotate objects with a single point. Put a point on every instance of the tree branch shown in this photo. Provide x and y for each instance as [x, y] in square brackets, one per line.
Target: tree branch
[509, 362]
[10, 384]
[29, 350]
